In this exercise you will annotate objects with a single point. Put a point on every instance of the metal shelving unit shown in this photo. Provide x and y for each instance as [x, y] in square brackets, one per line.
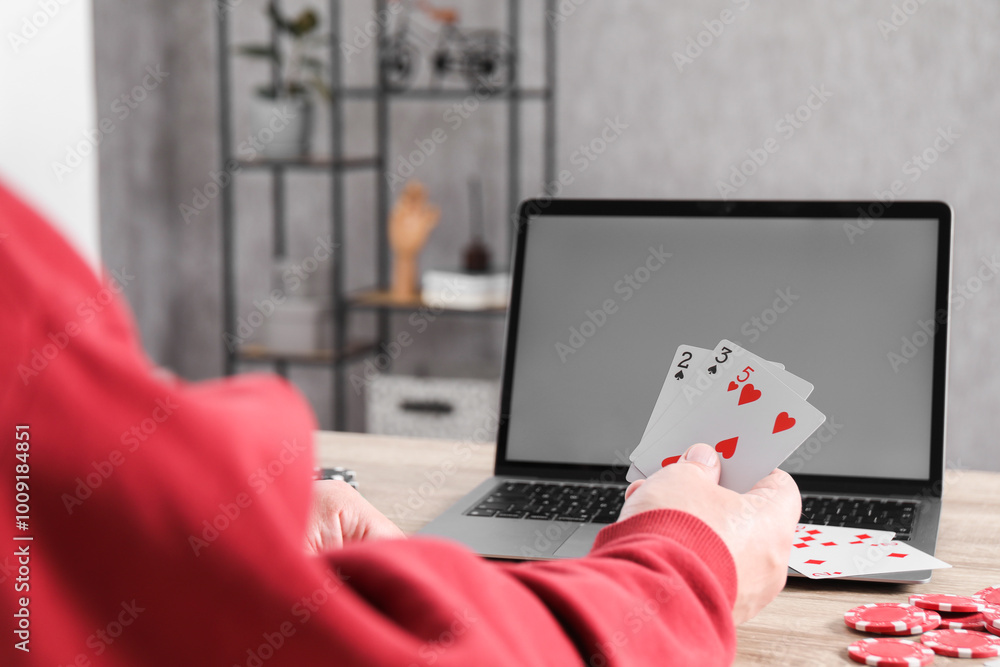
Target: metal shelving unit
[341, 350]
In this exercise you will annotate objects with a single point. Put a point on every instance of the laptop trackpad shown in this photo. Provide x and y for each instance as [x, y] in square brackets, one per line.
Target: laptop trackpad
[579, 543]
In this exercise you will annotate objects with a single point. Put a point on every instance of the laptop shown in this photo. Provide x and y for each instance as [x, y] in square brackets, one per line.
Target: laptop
[852, 296]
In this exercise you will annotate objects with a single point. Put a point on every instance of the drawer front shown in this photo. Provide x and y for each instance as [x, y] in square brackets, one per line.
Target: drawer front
[458, 409]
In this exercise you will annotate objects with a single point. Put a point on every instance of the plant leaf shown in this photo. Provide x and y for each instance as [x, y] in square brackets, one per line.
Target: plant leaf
[320, 85]
[305, 23]
[279, 21]
[313, 63]
[316, 39]
[258, 51]
[266, 92]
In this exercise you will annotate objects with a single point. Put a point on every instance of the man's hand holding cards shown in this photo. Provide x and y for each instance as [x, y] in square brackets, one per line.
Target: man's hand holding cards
[754, 414]
[752, 411]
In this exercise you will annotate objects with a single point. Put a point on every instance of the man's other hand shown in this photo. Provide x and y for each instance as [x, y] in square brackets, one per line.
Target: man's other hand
[757, 526]
[340, 515]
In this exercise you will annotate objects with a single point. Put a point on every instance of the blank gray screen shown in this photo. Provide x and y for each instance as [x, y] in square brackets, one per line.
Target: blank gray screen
[585, 397]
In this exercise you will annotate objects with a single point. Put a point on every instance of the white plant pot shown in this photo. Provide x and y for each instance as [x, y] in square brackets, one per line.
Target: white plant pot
[282, 127]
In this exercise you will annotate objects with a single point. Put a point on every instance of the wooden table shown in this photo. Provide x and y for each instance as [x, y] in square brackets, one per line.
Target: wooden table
[413, 480]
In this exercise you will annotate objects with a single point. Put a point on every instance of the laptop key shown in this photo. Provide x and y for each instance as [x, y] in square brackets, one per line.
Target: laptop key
[552, 501]
[492, 506]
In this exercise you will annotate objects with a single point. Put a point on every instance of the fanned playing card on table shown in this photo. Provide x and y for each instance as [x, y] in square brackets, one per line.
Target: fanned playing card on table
[814, 545]
[862, 558]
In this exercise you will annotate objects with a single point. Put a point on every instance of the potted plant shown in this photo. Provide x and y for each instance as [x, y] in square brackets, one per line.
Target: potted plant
[281, 112]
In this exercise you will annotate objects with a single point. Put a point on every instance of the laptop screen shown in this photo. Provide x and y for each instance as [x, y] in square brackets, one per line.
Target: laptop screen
[846, 304]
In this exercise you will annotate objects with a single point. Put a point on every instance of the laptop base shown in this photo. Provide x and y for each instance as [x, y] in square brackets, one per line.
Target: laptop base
[526, 539]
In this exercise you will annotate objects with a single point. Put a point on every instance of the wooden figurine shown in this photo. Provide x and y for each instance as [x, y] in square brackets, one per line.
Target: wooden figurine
[410, 223]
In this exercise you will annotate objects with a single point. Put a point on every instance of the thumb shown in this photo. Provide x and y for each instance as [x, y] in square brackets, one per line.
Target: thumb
[704, 458]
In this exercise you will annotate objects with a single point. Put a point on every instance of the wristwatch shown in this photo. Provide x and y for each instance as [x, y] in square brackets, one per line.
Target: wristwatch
[342, 474]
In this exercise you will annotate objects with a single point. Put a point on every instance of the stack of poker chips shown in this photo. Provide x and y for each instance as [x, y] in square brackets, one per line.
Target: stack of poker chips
[956, 626]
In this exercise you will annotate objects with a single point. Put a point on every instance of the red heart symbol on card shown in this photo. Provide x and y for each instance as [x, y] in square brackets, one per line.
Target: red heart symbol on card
[783, 422]
[732, 385]
[748, 395]
[727, 447]
[669, 461]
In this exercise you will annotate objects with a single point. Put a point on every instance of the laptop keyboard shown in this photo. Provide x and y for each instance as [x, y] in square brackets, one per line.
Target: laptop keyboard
[593, 503]
[867, 513]
[549, 501]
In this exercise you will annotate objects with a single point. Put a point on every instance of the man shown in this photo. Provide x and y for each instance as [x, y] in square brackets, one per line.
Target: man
[173, 523]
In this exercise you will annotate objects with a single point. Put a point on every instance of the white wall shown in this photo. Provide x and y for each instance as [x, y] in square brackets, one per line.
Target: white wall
[47, 118]
[898, 71]
[891, 91]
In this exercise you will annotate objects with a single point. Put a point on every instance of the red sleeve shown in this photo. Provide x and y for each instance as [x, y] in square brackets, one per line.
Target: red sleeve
[656, 589]
[166, 523]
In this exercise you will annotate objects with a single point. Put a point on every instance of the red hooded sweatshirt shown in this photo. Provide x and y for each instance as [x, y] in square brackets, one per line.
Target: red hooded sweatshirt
[150, 521]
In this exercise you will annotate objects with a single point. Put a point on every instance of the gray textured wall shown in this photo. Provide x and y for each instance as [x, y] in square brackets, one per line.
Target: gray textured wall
[891, 92]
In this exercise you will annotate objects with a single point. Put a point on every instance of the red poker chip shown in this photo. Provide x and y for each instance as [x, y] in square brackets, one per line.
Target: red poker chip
[991, 618]
[965, 620]
[962, 643]
[887, 652]
[945, 602]
[991, 595]
[891, 618]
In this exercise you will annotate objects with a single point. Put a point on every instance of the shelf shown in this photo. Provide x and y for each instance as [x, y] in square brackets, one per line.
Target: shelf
[383, 300]
[376, 307]
[448, 93]
[311, 163]
[255, 353]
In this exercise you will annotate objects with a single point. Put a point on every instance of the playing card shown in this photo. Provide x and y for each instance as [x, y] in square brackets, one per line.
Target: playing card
[686, 359]
[818, 543]
[690, 391]
[862, 558]
[748, 415]
[809, 535]
[695, 384]
[801, 387]
[691, 362]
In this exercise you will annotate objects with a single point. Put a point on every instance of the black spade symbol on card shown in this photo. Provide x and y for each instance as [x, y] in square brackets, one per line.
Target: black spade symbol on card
[679, 375]
[712, 369]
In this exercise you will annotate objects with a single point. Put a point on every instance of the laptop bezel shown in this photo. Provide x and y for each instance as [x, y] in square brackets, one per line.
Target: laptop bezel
[856, 211]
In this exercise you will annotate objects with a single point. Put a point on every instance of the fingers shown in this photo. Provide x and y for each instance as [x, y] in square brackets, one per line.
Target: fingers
[433, 215]
[413, 191]
[780, 488]
[376, 526]
[699, 459]
[341, 515]
[778, 481]
[633, 487]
